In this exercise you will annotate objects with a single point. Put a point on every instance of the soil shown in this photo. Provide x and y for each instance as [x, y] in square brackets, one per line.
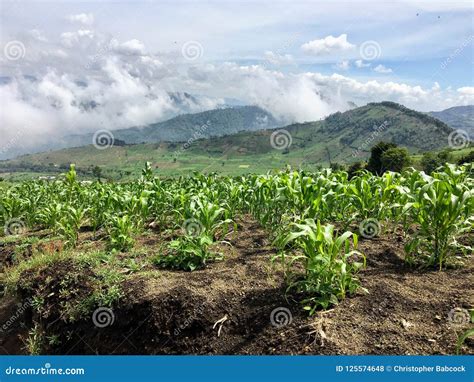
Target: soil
[227, 308]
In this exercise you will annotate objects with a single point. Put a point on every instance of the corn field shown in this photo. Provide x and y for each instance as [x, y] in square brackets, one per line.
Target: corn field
[315, 220]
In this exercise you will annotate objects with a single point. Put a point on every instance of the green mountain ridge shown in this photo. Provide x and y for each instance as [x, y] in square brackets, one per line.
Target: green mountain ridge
[458, 117]
[342, 137]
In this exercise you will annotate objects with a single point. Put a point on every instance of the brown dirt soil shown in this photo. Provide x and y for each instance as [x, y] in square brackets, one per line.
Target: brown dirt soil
[170, 312]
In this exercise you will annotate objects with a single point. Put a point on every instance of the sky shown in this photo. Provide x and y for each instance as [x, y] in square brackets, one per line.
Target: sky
[70, 67]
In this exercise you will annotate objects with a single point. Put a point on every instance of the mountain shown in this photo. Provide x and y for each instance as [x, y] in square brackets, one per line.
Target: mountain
[222, 121]
[207, 124]
[346, 137]
[342, 137]
[212, 123]
[458, 117]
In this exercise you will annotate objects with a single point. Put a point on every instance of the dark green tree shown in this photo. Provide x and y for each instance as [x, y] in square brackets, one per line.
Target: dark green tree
[97, 172]
[354, 168]
[375, 161]
[469, 158]
[395, 159]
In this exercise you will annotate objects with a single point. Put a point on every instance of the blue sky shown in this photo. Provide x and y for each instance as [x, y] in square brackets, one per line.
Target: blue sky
[298, 60]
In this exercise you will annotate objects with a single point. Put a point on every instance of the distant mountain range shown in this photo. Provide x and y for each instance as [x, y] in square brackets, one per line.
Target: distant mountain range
[345, 137]
[207, 124]
[458, 117]
[342, 137]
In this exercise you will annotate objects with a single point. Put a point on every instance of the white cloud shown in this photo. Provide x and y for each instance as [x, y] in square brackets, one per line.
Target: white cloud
[38, 35]
[277, 58]
[361, 64]
[83, 18]
[327, 45]
[129, 86]
[382, 69]
[466, 90]
[343, 65]
[68, 39]
[132, 47]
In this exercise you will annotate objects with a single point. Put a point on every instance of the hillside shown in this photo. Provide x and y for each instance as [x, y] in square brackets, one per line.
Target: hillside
[458, 117]
[211, 123]
[342, 137]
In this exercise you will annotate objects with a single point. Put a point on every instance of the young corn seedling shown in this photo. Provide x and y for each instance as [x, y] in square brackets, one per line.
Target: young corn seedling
[330, 265]
[187, 253]
[120, 231]
[443, 212]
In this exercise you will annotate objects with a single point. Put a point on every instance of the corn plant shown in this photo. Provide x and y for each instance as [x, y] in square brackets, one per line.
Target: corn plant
[120, 231]
[69, 224]
[443, 212]
[329, 263]
[186, 253]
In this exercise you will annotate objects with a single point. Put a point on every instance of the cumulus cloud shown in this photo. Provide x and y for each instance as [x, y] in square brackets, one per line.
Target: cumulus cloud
[69, 39]
[361, 64]
[343, 65]
[100, 82]
[132, 47]
[382, 69]
[327, 45]
[466, 90]
[83, 18]
[38, 35]
[277, 58]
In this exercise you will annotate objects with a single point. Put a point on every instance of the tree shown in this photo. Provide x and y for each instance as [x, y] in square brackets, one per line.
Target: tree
[97, 172]
[469, 158]
[375, 161]
[430, 162]
[395, 159]
[355, 168]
